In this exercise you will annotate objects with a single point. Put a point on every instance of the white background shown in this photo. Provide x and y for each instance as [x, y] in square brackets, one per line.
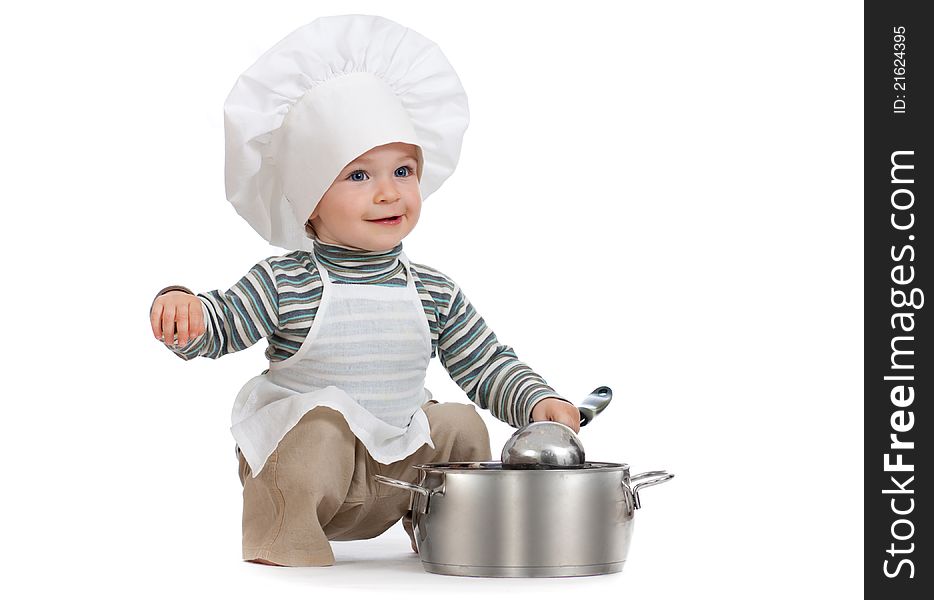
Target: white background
[661, 197]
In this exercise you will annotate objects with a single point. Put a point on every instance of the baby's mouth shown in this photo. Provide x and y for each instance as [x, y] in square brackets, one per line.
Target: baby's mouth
[393, 219]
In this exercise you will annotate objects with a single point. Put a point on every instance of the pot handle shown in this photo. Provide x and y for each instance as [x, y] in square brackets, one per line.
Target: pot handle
[412, 487]
[653, 477]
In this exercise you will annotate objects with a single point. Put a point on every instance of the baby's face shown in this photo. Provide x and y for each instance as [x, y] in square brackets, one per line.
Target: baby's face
[377, 184]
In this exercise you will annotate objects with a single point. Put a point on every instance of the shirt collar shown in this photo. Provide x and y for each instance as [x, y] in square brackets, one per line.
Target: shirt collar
[346, 262]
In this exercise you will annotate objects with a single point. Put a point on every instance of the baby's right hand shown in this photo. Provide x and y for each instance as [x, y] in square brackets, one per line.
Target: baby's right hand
[176, 312]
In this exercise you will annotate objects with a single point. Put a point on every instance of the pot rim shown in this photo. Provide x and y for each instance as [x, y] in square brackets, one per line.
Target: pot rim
[497, 467]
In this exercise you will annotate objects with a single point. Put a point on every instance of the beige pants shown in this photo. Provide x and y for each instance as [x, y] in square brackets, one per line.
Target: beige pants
[318, 484]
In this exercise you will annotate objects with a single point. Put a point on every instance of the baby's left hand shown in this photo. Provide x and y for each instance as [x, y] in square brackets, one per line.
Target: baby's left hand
[555, 409]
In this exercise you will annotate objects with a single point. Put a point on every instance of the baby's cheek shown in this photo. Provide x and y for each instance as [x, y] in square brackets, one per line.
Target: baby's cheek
[413, 215]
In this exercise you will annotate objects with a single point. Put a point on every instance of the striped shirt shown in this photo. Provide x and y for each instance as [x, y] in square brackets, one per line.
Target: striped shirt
[280, 295]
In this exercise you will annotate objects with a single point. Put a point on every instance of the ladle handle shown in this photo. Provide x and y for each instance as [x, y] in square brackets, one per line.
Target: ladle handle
[594, 403]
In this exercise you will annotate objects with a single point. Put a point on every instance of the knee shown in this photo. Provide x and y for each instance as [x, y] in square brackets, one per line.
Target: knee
[320, 441]
[460, 426]
[322, 426]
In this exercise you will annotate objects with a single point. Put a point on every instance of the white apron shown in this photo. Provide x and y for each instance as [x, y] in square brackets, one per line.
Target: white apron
[365, 356]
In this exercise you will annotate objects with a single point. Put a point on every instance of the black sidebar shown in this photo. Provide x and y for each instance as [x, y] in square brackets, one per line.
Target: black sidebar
[898, 370]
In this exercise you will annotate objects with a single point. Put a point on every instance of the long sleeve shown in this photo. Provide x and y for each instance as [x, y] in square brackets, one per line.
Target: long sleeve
[489, 372]
[236, 319]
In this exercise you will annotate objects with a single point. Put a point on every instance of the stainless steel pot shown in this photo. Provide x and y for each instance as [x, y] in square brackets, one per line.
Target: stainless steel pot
[477, 518]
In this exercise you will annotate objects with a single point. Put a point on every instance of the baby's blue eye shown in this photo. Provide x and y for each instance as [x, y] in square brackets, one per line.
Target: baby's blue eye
[407, 171]
[353, 175]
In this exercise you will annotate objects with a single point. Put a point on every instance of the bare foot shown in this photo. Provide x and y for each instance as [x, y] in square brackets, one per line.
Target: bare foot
[407, 525]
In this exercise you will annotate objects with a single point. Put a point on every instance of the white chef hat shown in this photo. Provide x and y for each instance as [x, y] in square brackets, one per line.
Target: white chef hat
[321, 97]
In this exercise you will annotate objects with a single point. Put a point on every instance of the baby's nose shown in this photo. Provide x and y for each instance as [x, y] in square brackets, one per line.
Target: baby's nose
[387, 193]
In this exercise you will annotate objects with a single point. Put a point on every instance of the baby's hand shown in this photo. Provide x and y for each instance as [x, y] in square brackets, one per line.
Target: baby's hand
[555, 409]
[176, 312]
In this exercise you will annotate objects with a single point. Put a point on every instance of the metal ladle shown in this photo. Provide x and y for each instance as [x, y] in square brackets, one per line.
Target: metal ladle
[543, 444]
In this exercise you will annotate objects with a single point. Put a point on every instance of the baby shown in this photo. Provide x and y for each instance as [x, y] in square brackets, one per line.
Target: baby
[337, 133]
